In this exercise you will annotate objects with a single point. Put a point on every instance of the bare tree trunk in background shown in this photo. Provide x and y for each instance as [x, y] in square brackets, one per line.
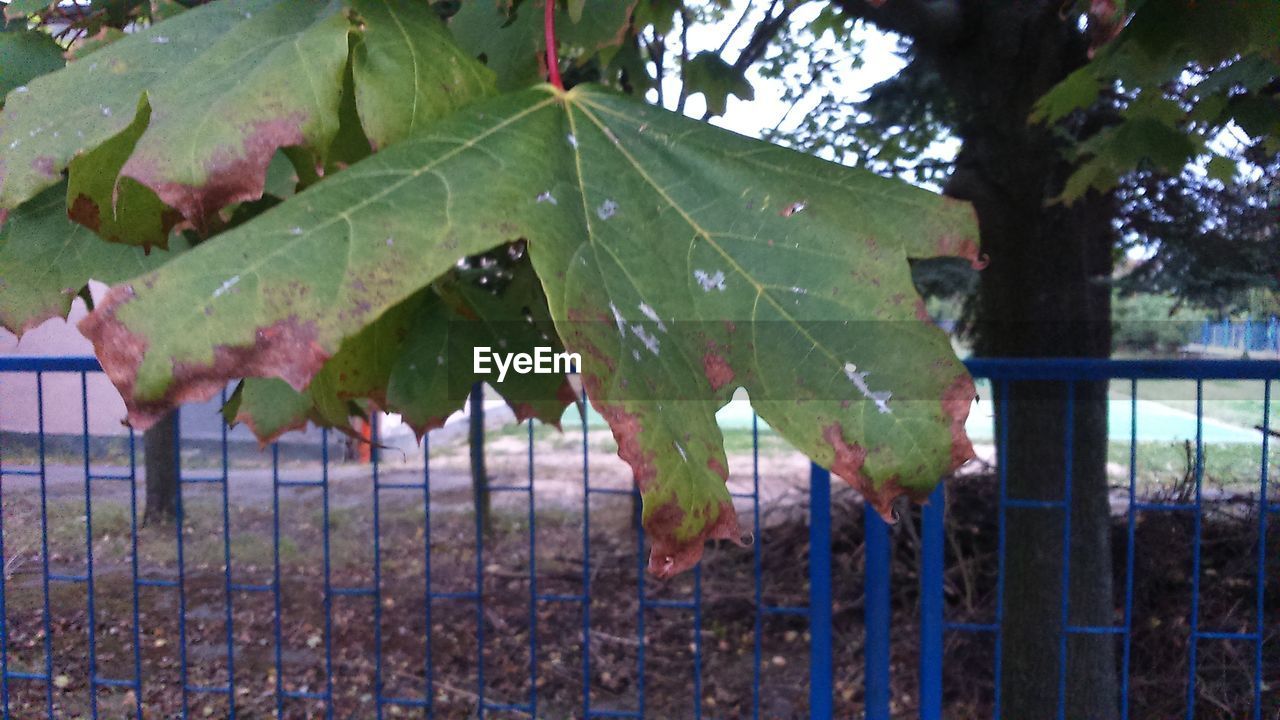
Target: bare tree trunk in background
[1046, 293]
[479, 478]
[160, 460]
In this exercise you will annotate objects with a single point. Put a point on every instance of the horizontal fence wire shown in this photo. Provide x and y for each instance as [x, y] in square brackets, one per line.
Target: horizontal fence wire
[207, 665]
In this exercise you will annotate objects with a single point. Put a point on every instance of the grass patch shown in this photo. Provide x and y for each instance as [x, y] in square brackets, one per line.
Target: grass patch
[1235, 465]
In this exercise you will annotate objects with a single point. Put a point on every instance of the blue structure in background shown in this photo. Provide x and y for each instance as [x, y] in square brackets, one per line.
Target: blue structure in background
[934, 624]
[1240, 335]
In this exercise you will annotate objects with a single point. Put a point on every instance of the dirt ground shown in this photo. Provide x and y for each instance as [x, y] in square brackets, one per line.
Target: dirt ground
[519, 645]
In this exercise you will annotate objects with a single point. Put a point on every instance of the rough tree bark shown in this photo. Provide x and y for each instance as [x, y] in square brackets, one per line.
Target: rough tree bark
[160, 460]
[1044, 294]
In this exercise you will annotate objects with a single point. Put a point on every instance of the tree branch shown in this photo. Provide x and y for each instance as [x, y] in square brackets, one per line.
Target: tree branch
[929, 22]
[684, 60]
[764, 33]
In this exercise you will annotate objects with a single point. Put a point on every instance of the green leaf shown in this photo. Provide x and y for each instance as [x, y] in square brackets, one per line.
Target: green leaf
[24, 56]
[1115, 150]
[1078, 91]
[17, 9]
[510, 38]
[416, 360]
[407, 71]
[681, 260]
[268, 407]
[1160, 41]
[85, 104]
[119, 209]
[215, 123]
[708, 73]
[1220, 168]
[227, 85]
[45, 259]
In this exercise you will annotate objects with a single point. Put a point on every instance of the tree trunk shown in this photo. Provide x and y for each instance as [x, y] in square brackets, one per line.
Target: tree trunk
[160, 461]
[479, 478]
[1045, 293]
[1042, 298]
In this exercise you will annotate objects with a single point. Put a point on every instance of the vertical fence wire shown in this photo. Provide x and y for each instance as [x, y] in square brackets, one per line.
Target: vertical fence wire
[757, 559]
[46, 613]
[1196, 540]
[276, 591]
[379, 681]
[932, 565]
[877, 611]
[1131, 525]
[821, 670]
[90, 608]
[228, 618]
[1263, 511]
[533, 583]
[135, 584]
[179, 533]
[429, 601]
[327, 551]
[4, 593]
[586, 567]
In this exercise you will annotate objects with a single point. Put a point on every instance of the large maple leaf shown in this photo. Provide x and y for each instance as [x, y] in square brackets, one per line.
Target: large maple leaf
[181, 119]
[683, 261]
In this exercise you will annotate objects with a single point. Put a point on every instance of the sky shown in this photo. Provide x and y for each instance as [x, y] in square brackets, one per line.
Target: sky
[879, 62]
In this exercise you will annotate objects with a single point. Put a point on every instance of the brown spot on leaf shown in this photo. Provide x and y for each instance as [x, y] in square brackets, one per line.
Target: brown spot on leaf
[626, 431]
[717, 370]
[669, 555]
[717, 467]
[286, 349]
[849, 459]
[85, 211]
[963, 246]
[420, 428]
[232, 175]
[44, 165]
[956, 401]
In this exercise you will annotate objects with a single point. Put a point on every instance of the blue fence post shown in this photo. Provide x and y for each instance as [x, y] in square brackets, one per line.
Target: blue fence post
[821, 675]
[931, 605]
[877, 614]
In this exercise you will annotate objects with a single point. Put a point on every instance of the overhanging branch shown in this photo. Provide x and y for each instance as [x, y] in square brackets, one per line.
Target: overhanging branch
[924, 21]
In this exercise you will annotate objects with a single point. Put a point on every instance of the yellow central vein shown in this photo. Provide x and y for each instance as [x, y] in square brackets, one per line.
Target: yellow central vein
[413, 53]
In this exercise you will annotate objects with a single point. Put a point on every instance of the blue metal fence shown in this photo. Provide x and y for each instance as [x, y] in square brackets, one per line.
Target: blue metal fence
[38, 675]
[1240, 335]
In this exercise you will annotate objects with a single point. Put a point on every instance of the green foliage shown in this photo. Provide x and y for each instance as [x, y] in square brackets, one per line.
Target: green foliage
[1179, 73]
[45, 260]
[508, 35]
[25, 55]
[1143, 322]
[1209, 243]
[707, 73]
[680, 260]
[224, 86]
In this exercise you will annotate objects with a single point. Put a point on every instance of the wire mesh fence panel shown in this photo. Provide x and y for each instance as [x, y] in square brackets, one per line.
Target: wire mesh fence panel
[301, 580]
